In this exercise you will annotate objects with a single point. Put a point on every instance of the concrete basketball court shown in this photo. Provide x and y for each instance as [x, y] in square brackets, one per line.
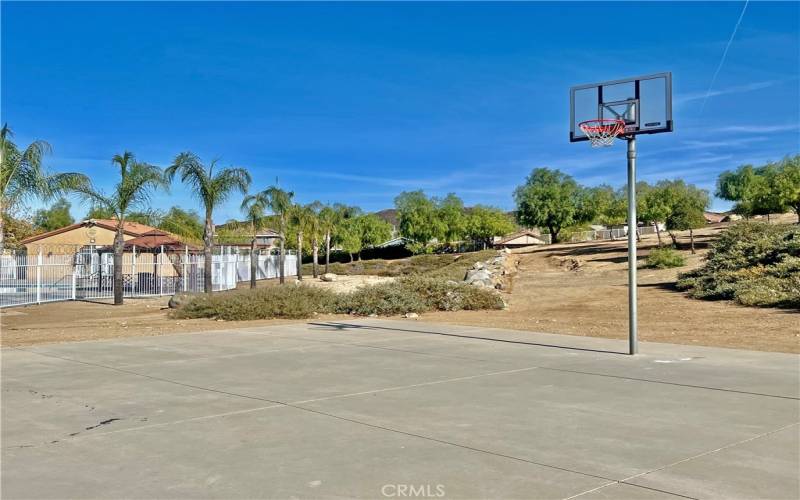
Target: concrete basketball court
[396, 409]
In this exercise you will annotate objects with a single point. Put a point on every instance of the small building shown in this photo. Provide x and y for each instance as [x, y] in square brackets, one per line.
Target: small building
[525, 238]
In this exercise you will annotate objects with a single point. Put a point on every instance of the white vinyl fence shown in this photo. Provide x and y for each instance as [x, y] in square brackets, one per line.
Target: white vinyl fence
[87, 274]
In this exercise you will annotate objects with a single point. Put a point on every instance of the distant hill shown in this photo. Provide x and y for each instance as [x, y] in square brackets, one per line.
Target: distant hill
[389, 215]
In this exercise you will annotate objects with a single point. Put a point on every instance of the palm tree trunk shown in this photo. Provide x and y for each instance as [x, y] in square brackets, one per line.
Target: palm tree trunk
[2, 227]
[281, 261]
[119, 242]
[314, 255]
[327, 250]
[208, 247]
[253, 261]
[300, 255]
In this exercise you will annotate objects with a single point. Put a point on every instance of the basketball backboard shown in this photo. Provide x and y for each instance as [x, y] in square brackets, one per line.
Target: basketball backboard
[643, 102]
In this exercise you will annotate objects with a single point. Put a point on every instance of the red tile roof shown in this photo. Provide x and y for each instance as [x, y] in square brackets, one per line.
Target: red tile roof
[129, 228]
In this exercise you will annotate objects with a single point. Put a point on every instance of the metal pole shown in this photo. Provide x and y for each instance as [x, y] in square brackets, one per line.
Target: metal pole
[39, 276]
[161, 272]
[632, 225]
[134, 276]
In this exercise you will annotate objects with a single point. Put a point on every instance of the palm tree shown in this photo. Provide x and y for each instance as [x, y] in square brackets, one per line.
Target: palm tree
[137, 181]
[328, 218]
[280, 202]
[254, 206]
[211, 189]
[315, 227]
[304, 218]
[22, 175]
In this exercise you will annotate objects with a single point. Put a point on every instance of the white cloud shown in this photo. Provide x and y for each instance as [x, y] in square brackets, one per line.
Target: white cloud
[760, 129]
[738, 89]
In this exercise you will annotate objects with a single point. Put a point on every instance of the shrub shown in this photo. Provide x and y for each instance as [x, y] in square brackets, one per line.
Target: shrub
[412, 294]
[383, 299]
[295, 302]
[752, 263]
[664, 258]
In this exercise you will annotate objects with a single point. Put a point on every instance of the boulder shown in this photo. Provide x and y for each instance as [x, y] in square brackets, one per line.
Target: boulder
[478, 275]
[411, 315]
[328, 277]
[178, 300]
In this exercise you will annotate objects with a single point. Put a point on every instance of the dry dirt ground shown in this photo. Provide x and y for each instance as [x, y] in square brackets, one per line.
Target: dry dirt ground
[576, 289]
[581, 289]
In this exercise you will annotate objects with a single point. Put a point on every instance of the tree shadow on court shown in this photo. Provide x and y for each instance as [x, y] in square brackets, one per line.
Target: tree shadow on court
[350, 326]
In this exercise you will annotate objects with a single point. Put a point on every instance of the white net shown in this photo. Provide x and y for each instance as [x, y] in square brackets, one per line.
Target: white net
[601, 133]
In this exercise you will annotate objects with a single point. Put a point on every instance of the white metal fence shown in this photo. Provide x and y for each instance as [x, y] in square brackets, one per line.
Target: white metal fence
[87, 274]
[606, 234]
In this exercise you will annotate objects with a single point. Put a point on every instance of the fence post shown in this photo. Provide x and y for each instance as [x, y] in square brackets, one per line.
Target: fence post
[134, 276]
[161, 272]
[39, 276]
[185, 268]
[74, 282]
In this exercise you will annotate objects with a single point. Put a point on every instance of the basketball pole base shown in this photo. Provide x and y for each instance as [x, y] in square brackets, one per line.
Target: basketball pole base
[632, 228]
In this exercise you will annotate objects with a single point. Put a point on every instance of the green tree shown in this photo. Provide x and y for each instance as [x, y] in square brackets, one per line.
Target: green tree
[185, 223]
[348, 236]
[254, 207]
[785, 183]
[22, 176]
[655, 208]
[419, 220]
[17, 229]
[746, 186]
[372, 231]
[484, 223]
[687, 204]
[99, 212]
[451, 213]
[137, 181]
[550, 199]
[55, 217]
[211, 189]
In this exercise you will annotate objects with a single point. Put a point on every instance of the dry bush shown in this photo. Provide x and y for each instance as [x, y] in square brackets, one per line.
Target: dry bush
[411, 294]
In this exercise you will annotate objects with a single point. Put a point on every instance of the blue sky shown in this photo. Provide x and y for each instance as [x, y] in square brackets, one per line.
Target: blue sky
[354, 103]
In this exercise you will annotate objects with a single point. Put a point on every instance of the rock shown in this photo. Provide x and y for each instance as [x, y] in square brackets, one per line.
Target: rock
[478, 265]
[452, 282]
[478, 275]
[373, 315]
[328, 277]
[178, 300]
[411, 315]
[481, 284]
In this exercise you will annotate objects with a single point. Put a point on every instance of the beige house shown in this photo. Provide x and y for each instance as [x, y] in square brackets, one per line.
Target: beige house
[88, 246]
[92, 233]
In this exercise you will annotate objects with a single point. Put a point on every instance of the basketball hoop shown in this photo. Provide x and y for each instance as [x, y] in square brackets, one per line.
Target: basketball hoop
[602, 132]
